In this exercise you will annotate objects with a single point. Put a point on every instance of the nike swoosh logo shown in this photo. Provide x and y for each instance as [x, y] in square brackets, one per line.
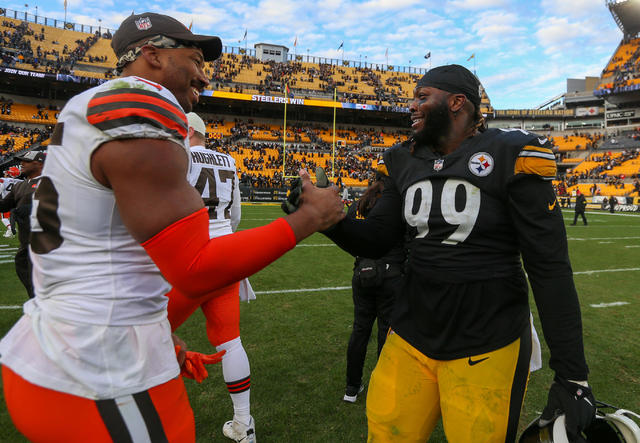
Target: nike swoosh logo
[552, 205]
[475, 362]
[542, 141]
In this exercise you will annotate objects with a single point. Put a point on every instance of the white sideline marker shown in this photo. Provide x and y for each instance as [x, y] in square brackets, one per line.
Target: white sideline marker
[606, 270]
[607, 305]
[291, 291]
[344, 288]
[603, 238]
[633, 246]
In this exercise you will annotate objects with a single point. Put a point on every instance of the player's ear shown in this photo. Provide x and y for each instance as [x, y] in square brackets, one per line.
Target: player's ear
[152, 55]
[456, 102]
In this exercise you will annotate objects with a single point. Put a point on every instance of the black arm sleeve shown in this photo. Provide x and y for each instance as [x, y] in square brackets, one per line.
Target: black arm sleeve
[543, 243]
[374, 236]
[8, 203]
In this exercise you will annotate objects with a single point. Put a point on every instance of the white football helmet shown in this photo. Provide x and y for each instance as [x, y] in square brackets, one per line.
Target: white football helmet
[619, 426]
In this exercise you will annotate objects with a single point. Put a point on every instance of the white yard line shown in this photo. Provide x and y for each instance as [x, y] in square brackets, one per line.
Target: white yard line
[606, 270]
[607, 305]
[293, 291]
[602, 238]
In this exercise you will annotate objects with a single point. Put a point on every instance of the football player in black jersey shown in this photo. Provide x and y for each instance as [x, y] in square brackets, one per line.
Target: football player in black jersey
[474, 202]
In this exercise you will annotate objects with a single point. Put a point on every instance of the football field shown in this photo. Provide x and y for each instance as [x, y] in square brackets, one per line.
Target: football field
[297, 330]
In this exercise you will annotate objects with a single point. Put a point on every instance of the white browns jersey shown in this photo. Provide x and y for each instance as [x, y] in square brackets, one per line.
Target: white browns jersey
[7, 184]
[214, 176]
[89, 273]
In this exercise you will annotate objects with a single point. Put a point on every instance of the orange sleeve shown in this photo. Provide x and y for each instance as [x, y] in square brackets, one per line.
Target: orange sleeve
[195, 264]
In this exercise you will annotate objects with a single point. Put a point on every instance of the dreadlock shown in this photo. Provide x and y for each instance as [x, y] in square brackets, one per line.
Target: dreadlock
[479, 121]
[370, 196]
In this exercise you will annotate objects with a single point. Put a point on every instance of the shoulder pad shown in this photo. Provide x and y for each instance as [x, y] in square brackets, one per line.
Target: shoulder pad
[393, 152]
[133, 107]
[536, 158]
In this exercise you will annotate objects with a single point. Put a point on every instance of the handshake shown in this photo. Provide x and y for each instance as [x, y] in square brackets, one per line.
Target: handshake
[318, 206]
[291, 204]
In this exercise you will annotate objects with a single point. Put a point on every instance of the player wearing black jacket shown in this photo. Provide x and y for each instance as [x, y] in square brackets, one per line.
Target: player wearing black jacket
[374, 284]
[19, 202]
[474, 202]
[581, 205]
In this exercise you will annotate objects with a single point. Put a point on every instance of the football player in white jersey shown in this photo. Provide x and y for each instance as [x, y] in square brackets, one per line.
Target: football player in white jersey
[214, 176]
[6, 184]
[115, 224]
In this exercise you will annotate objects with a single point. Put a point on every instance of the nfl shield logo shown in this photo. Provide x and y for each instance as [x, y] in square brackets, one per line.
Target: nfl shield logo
[143, 23]
[438, 164]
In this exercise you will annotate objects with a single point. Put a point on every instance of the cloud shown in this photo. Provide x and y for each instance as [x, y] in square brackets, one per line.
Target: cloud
[476, 4]
[555, 33]
[574, 8]
[496, 27]
[387, 5]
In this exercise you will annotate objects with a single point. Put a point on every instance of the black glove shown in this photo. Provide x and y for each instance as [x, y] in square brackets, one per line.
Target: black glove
[573, 400]
[322, 181]
[292, 203]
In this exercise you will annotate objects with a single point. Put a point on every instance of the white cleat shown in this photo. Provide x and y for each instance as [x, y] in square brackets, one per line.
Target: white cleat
[240, 432]
[351, 393]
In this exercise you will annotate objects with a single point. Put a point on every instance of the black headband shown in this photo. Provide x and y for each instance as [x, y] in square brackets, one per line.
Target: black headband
[455, 79]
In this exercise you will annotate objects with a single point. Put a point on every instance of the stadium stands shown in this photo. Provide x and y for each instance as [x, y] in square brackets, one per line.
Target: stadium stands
[257, 144]
[42, 48]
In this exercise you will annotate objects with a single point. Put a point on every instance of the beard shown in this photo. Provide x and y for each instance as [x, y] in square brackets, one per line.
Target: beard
[436, 127]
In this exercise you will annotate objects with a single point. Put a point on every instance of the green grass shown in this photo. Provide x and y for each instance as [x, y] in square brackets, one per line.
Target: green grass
[297, 341]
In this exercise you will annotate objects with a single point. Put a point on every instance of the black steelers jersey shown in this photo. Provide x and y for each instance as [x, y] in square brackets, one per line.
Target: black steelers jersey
[455, 207]
[470, 217]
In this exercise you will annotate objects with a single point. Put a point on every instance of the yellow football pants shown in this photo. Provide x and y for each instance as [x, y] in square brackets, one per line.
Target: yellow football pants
[478, 397]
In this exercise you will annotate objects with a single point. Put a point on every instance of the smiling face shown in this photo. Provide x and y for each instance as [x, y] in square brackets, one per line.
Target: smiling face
[183, 75]
[430, 119]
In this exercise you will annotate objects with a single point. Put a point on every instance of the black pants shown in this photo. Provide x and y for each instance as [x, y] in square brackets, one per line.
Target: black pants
[575, 217]
[368, 304]
[12, 223]
[23, 269]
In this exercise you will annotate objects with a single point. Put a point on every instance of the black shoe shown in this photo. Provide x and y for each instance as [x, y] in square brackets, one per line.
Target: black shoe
[351, 393]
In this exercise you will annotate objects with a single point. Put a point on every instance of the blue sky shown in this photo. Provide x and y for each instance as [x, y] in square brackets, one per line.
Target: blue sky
[524, 50]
